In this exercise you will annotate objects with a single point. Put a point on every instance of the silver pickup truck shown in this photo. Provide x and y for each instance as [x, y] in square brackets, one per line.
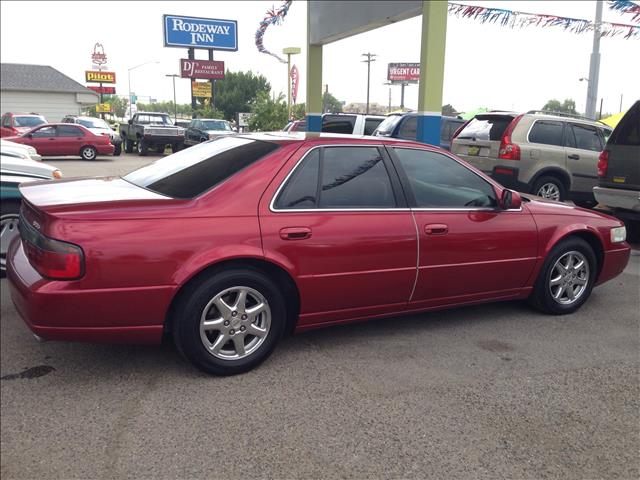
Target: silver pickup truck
[151, 131]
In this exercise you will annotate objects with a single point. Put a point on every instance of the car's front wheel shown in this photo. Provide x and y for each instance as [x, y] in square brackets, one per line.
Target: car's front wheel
[231, 322]
[143, 148]
[88, 153]
[9, 218]
[128, 145]
[566, 278]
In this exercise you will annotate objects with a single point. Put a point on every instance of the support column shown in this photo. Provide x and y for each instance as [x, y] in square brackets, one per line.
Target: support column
[314, 83]
[434, 36]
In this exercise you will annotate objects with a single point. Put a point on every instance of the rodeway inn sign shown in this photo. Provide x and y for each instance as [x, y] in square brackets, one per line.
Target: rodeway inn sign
[193, 32]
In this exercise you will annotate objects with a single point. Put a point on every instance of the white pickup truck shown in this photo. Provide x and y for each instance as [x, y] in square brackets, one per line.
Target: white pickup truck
[349, 123]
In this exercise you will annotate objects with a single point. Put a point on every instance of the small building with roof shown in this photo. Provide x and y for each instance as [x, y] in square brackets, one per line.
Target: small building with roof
[42, 89]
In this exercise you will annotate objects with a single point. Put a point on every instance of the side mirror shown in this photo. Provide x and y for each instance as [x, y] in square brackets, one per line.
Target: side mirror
[130, 121]
[510, 200]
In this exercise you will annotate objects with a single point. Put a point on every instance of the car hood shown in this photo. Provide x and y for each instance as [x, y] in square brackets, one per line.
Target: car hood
[26, 166]
[219, 133]
[543, 206]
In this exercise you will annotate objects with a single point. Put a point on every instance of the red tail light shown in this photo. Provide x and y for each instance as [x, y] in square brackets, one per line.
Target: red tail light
[603, 163]
[508, 149]
[53, 259]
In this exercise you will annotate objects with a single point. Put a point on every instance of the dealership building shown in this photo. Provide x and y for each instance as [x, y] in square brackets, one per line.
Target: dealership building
[42, 89]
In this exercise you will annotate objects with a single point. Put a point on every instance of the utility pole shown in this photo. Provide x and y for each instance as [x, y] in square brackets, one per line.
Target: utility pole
[402, 85]
[389, 84]
[175, 106]
[370, 58]
[594, 65]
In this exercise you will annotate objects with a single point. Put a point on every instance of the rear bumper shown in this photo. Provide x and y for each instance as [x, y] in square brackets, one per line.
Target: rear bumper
[508, 177]
[105, 149]
[57, 310]
[163, 140]
[618, 198]
[615, 262]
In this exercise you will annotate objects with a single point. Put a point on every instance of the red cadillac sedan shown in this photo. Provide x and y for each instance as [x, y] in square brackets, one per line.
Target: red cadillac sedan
[60, 139]
[232, 243]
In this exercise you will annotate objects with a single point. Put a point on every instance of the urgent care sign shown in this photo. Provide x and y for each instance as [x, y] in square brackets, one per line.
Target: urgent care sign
[204, 69]
[403, 72]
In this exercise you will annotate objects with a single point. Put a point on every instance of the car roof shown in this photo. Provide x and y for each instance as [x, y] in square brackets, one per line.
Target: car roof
[152, 113]
[327, 138]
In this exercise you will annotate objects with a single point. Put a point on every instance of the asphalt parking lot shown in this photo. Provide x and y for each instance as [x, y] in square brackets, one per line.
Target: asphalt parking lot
[493, 391]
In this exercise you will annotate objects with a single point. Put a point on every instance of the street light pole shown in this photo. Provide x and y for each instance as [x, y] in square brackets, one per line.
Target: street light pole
[129, 79]
[594, 66]
[288, 52]
[175, 105]
[370, 58]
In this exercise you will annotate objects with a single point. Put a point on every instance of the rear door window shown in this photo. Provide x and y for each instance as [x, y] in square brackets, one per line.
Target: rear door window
[370, 125]
[546, 132]
[338, 123]
[587, 137]
[69, 131]
[191, 172]
[409, 128]
[486, 127]
[339, 177]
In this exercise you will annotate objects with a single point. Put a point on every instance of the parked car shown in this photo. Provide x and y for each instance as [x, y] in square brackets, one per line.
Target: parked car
[203, 129]
[549, 154]
[347, 123]
[61, 139]
[406, 126]
[13, 149]
[13, 124]
[13, 172]
[267, 233]
[151, 131]
[296, 126]
[99, 127]
[618, 186]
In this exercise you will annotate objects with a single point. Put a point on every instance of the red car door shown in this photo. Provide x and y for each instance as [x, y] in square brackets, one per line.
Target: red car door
[340, 223]
[43, 139]
[469, 249]
[70, 139]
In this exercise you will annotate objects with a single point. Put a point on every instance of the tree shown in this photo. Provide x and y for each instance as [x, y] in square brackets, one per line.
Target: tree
[238, 91]
[449, 111]
[298, 111]
[270, 113]
[568, 106]
[331, 103]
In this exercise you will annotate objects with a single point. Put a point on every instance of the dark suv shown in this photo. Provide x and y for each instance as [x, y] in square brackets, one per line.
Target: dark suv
[406, 126]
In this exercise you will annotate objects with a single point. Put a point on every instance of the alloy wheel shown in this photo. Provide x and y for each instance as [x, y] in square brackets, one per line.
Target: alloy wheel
[550, 191]
[235, 323]
[569, 278]
[88, 153]
[8, 231]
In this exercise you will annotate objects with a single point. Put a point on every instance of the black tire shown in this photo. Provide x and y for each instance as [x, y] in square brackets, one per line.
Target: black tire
[117, 149]
[143, 148]
[176, 147]
[9, 210]
[88, 153]
[549, 180]
[128, 145]
[186, 320]
[541, 297]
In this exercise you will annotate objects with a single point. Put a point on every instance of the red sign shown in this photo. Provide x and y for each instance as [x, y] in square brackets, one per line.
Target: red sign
[205, 69]
[403, 72]
[295, 79]
[105, 90]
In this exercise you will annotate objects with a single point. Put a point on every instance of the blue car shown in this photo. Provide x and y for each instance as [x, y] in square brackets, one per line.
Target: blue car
[406, 125]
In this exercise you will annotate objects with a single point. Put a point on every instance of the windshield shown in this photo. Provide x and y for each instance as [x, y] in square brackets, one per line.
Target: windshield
[387, 125]
[486, 127]
[189, 173]
[31, 121]
[216, 125]
[148, 119]
[93, 123]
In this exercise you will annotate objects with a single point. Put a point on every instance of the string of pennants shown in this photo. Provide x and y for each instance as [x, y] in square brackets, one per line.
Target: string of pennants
[515, 19]
[272, 17]
[625, 6]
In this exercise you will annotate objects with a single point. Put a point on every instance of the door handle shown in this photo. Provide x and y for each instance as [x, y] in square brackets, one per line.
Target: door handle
[574, 157]
[436, 229]
[295, 233]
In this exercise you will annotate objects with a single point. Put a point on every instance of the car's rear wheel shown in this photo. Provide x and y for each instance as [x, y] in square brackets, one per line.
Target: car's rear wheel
[566, 278]
[551, 188]
[117, 149]
[128, 145]
[9, 218]
[88, 153]
[230, 322]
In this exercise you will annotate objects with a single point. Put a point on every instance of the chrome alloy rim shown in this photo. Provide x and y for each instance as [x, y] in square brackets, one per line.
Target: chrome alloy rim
[235, 323]
[89, 153]
[8, 231]
[550, 191]
[569, 278]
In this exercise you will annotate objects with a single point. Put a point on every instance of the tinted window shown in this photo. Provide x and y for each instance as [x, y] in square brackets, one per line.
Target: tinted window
[627, 132]
[27, 121]
[370, 125]
[586, 137]
[153, 119]
[69, 131]
[302, 187]
[6, 121]
[44, 132]
[438, 181]
[387, 126]
[409, 128]
[486, 127]
[189, 173]
[546, 132]
[354, 177]
[338, 123]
